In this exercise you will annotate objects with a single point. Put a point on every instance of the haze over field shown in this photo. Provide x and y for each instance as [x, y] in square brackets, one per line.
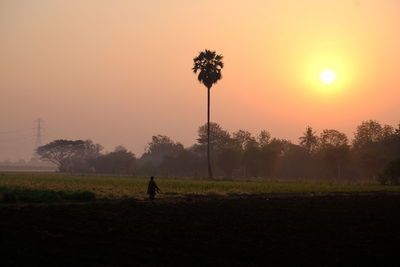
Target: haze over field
[118, 72]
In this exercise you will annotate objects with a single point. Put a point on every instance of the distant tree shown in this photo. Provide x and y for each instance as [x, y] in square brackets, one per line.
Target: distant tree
[243, 138]
[374, 146]
[219, 136]
[335, 150]
[271, 154]
[333, 138]
[120, 148]
[371, 132]
[297, 162]
[263, 138]
[309, 140]
[228, 158]
[186, 163]
[251, 159]
[397, 130]
[70, 156]
[160, 147]
[209, 65]
[251, 152]
[121, 161]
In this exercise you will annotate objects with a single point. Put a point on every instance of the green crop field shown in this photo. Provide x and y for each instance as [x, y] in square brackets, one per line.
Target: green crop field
[52, 187]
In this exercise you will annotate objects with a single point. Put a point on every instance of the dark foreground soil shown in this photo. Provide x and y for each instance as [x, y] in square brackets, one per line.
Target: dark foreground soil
[350, 230]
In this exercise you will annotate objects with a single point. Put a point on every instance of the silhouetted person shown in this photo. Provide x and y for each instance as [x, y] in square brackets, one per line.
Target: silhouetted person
[152, 188]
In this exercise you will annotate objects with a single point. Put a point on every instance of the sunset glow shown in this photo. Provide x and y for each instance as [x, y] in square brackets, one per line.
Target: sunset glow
[84, 67]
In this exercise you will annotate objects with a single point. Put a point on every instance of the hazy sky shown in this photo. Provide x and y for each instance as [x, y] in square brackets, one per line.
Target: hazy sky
[118, 72]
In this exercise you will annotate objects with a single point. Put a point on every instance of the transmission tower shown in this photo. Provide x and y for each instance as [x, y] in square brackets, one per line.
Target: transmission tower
[38, 137]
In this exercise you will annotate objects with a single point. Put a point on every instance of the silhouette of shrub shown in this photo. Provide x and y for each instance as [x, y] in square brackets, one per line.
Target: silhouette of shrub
[391, 174]
[382, 179]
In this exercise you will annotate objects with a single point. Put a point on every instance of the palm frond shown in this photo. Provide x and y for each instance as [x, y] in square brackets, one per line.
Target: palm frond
[209, 64]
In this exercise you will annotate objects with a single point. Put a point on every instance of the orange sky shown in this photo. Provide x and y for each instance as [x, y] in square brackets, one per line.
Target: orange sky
[118, 72]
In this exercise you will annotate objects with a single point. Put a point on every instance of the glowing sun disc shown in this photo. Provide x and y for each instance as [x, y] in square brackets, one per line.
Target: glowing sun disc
[328, 76]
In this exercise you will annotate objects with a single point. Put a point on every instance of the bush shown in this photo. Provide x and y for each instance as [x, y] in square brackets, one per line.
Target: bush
[391, 174]
[382, 179]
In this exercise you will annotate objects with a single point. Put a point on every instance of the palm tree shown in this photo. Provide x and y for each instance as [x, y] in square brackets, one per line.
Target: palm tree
[309, 140]
[209, 66]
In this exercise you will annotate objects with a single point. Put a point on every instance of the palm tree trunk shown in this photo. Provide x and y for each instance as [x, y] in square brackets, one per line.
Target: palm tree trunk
[210, 174]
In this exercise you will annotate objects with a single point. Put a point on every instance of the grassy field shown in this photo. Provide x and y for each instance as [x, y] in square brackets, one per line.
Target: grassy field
[43, 187]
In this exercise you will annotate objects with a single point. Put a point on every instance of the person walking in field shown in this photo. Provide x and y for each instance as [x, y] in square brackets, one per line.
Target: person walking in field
[152, 189]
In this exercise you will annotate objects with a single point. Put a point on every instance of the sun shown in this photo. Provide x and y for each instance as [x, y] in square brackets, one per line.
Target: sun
[328, 76]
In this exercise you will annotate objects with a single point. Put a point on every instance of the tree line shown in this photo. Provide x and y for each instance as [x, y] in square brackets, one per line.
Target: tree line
[373, 153]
